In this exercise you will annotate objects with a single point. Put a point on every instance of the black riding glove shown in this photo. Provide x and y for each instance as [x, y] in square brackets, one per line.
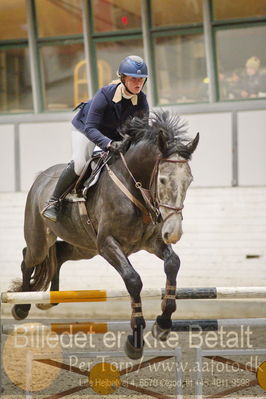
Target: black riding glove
[114, 146]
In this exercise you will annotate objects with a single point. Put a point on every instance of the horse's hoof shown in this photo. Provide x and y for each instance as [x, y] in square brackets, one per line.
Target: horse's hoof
[45, 306]
[131, 351]
[18, 313]
[160, 333]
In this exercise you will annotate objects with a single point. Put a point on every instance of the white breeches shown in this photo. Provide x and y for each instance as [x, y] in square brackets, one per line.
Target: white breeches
[82, 149]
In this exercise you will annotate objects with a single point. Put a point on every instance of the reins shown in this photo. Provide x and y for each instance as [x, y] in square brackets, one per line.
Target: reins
[150, 196]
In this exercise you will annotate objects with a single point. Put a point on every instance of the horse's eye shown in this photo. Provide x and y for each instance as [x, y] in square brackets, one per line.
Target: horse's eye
[163, 180]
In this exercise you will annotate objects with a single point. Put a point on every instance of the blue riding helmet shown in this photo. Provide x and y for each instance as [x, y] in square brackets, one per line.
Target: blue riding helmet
[133, 66]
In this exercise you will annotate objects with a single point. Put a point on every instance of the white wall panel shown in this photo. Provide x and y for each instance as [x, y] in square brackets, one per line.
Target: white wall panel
[7, 158]
[44, 144]
[252, 148]
[212, 161]
[41, 146]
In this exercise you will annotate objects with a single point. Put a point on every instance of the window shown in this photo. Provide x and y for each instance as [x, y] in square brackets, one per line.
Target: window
[15, 78]
[58, 63]
[59, 18]
[228, 9]
[242, 68]
[179, 53]
[62, 58]
[13, 19]
[180, 68]
[15, 81]
[110, 54]
[178, 59]
[240, 52]
[115, 15]
[176, 12]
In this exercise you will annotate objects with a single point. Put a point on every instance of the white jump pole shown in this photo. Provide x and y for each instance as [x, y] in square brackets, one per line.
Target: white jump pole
[36, 297]
[115, 326]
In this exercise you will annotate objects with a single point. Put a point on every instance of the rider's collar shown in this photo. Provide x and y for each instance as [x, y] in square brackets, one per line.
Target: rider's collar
[120, 92]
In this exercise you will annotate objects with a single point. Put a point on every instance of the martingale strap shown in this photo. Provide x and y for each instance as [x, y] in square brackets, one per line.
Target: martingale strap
[152, 209]
[146, 193]
[123, 188]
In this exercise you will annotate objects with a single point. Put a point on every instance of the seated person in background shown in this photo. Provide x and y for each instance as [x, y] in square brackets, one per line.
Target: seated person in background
[251, 82]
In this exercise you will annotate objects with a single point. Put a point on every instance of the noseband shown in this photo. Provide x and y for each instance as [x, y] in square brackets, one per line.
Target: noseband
[154, 188]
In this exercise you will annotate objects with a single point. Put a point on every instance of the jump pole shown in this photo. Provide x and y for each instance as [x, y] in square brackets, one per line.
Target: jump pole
[114, 326]
[36, 297]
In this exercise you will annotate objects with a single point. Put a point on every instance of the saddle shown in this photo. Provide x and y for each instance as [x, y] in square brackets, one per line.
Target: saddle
[89, 176]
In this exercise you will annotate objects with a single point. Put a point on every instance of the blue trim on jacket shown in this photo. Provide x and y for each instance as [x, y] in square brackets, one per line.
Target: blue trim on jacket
[100, 117]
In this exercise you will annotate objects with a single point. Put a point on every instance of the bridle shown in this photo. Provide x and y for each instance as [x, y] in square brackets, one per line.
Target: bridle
[153, 187]
[150, 195]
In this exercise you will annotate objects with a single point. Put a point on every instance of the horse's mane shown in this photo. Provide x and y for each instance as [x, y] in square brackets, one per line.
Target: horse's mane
[160, 125]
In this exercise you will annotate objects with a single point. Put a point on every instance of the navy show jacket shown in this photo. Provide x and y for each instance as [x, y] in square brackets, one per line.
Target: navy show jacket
[100, 117]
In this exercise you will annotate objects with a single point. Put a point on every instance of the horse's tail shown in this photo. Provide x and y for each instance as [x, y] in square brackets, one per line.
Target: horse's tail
[42, 274]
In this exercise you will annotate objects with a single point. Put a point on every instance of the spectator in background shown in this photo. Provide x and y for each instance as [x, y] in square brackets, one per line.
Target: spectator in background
[252, 81]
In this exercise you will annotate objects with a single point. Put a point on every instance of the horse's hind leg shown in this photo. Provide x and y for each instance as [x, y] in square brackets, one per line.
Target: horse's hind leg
[163, 324]
[64, 253]
[20, 312]
[38, 269]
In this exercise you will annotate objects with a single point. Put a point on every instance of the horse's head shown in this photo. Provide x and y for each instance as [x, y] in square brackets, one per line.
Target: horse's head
[174, 173]
[158, 151]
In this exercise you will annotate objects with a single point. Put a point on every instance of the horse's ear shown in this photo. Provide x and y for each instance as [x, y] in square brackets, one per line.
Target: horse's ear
[193, 144]
[162, 143]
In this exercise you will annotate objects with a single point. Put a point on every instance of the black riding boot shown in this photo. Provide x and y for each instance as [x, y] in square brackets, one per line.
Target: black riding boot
[68, 177]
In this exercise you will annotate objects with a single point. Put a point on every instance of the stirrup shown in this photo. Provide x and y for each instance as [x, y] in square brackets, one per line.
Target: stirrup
[51, 210]
[85, 191]
[49, 204]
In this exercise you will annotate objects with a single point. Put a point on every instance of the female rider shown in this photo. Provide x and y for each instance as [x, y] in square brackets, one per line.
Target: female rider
[97, 123]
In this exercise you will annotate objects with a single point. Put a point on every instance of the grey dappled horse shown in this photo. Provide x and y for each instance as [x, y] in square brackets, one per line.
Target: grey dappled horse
[156, 153]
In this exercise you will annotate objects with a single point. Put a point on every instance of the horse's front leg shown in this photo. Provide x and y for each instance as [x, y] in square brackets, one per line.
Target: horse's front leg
[163, 324]
[110, 249]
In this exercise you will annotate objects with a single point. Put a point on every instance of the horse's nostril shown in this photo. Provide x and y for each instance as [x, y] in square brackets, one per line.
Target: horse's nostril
[166, 235]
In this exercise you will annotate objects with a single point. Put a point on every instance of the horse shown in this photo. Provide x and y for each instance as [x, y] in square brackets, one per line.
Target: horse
[136, 205]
